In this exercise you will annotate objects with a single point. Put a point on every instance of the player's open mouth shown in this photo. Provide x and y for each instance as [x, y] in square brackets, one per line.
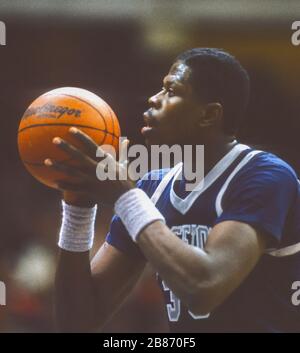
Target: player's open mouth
[146, 130]
[149, 123]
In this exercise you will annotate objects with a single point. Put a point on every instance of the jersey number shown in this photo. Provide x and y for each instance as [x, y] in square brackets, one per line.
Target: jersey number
[174, 307]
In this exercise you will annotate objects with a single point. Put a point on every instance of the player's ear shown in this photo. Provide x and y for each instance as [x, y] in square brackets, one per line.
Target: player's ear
[211, 115]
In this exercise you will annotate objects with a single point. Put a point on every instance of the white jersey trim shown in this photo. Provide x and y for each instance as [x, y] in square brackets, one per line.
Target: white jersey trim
[287, 251]
[243, 162]
[183, 205]
[164, 182]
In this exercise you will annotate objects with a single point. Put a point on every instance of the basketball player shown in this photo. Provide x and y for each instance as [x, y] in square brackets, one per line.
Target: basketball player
[227, 255]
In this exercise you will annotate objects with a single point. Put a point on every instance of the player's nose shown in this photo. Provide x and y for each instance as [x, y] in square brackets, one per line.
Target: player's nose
[155, 100]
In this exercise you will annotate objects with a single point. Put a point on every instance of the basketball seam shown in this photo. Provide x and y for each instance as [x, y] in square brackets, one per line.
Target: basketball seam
[82, 100]
[113, 125]
[66, 124]
[105, 125]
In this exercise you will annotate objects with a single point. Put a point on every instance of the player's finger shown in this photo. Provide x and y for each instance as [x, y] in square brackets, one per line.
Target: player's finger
[123, 150]
[74, 152]
[107, 169]
[101, 153]
[86, 140]
[64, 168]
[106, 156]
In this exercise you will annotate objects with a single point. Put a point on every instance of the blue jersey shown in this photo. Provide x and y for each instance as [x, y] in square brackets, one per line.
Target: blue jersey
[249, 186]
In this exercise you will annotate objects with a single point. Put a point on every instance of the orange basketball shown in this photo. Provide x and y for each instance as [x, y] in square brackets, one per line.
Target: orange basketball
[52, 114]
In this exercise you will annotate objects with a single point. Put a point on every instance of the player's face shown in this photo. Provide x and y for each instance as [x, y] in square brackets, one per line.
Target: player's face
[173, 111]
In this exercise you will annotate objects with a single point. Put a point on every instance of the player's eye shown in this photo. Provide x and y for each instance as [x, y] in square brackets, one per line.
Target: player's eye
[169, 91]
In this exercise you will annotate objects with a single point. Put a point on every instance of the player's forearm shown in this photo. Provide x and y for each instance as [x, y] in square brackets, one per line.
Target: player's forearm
[75, 308]
[75, 296]
[186, 269]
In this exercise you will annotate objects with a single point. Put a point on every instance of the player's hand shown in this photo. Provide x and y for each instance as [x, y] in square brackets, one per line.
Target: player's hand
[87, 183]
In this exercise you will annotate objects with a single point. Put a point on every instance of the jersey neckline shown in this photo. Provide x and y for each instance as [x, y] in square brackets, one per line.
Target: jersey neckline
[184, 204]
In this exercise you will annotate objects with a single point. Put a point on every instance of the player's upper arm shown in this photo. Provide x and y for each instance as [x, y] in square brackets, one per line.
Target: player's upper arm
[252, 217]
[233, 249]
[261, 195]
[114, 274]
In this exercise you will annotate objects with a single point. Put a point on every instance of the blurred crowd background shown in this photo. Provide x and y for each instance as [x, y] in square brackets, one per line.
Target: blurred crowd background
[121, 49]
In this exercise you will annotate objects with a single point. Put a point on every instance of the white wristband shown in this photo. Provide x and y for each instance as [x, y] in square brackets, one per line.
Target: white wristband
[77, 229]
[136, 211]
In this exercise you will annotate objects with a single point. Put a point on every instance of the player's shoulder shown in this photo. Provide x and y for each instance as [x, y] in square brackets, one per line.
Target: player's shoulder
[264, 163]
[150, 181]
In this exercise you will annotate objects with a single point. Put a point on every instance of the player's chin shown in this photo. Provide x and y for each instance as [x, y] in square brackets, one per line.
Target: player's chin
[158, 136]
[151, 141]
[151, 136]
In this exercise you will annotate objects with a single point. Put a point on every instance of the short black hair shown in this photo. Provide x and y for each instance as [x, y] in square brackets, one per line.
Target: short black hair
[217, 76]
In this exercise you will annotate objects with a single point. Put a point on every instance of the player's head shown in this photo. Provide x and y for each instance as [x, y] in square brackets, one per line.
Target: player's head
[205, 93]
